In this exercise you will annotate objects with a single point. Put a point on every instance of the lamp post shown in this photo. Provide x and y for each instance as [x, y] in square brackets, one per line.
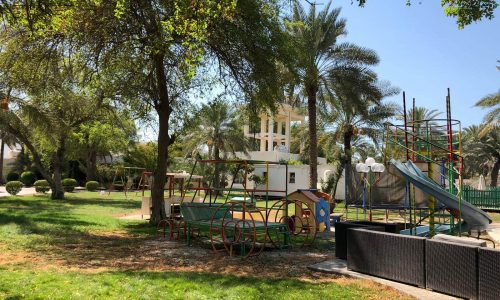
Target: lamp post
[368, 168]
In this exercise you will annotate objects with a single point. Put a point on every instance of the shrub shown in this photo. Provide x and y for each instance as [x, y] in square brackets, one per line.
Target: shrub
[12, 176]
[14, 187]
[69, 184]
[41, 186]
[28, 178]
[92, 186]
[105, 174]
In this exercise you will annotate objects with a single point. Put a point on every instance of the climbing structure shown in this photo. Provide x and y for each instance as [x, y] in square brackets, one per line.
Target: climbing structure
[435, 147]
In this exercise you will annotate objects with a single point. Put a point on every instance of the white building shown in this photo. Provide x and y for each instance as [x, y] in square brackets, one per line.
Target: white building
[274, 142]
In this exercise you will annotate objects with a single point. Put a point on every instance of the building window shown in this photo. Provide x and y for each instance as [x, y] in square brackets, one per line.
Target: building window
[292, 177]
[267, 125]
[283, 128]
[275, 127]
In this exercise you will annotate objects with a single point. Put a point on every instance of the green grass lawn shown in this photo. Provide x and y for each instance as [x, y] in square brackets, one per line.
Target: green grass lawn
[61, 236]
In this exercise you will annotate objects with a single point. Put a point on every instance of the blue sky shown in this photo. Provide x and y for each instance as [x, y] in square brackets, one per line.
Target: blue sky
[423, 52]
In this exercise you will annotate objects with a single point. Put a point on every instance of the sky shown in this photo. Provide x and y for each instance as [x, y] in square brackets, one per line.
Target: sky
[423, 52]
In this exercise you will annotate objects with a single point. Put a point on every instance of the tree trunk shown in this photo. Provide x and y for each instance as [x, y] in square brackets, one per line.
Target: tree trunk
[2, 146]
[217, 176]
[494, 173]
[160, 173]
[348, 133]
[56, 186]
[313, 138]
[92, 165]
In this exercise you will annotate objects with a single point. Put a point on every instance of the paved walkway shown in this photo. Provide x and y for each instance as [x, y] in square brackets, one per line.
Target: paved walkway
[339, 266]
[25, 191]
[494, 232]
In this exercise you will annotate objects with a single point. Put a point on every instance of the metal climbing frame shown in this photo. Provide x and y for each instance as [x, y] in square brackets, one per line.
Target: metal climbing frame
[436, 145]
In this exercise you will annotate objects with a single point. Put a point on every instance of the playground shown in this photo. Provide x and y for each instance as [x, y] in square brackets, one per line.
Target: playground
[416, 195]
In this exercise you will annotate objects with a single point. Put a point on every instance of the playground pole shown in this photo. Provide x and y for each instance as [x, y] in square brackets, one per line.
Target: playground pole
[406, 127]
[413, 131]
[431, 202]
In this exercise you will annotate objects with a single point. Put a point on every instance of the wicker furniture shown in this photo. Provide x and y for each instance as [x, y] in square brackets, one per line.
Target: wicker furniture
[451, 268]
[489, 274]
[392, 256]
[341, 236]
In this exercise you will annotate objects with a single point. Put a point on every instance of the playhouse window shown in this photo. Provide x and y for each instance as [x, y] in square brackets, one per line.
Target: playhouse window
[292, 177]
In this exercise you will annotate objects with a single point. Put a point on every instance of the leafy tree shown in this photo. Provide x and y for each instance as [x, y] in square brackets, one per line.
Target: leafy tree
[482, 151]
[320, 56]
[51, 101]
[150, 51]
[142, 155]
[111, 133]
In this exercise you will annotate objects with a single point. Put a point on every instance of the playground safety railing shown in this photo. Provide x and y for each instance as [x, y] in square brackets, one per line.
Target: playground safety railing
[485, 199]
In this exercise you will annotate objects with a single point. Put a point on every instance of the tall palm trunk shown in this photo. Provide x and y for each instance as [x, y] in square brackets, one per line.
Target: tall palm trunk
[494, 173]
[313, 137]
[348, 133]
[163, 110]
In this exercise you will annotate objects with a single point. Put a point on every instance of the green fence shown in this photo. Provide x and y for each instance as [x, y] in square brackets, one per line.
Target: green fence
[486, 199]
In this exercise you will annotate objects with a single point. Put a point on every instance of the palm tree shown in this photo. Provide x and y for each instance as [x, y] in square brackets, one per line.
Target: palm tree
[218, 131]
[491, 101]
[319, 54]
[492, 118]
[482, 151]
[355, 108]
[422, 113]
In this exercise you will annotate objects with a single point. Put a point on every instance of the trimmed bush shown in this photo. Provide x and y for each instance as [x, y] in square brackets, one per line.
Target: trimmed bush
[92, 186]
[69, 184]
[28, 178]
[14, 187]
[12, 176]
[42, 186]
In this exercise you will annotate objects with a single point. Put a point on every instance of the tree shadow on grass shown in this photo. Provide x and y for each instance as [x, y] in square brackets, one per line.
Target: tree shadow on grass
[123, 204]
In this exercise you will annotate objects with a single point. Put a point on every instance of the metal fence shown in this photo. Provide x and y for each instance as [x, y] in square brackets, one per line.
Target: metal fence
[486, 199]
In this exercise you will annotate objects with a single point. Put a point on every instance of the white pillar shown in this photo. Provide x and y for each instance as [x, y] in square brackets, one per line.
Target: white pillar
[262, 135]
[270, 136]
[287, 132]
[246, 129]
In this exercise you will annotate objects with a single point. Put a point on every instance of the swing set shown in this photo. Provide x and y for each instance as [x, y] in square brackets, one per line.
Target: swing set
[123, 179]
